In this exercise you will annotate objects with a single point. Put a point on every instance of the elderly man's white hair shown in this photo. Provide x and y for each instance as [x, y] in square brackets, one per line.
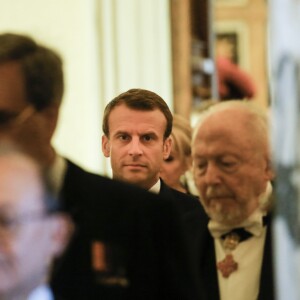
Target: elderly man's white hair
[260, 124]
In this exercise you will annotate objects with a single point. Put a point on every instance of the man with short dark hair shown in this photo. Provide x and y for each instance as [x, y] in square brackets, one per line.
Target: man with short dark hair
[137, 125]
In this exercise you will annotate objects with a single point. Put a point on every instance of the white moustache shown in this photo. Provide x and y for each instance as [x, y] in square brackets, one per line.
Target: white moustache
[217, 192]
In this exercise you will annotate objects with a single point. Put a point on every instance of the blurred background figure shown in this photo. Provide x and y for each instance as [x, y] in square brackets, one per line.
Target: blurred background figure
[233, 82]
[32, 230]
[175, 170]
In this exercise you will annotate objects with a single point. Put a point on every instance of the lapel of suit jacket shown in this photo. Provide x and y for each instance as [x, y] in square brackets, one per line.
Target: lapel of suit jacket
[72, 193]
[202, 250]
[165, 190]
[208, 265]
[266, 290]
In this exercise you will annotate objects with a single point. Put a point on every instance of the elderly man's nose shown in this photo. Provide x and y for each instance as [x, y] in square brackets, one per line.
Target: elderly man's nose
[212, 174]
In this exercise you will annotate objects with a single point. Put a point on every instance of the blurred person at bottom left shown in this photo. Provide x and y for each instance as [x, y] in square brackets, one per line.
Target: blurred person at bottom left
[32, 230]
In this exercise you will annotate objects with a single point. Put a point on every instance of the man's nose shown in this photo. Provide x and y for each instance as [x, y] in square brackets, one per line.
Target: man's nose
[212, 174]
[135, 147]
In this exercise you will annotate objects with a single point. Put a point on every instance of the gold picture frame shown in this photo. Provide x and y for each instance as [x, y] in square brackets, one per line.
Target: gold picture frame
[231, 2]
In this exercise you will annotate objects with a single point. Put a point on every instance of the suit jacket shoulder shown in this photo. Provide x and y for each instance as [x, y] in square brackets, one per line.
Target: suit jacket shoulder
[184, 202]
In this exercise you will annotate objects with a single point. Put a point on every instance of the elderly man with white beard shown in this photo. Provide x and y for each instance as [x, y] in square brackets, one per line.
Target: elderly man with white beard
[231, 239]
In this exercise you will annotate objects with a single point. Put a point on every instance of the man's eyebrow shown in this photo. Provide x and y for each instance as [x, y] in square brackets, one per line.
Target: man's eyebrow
[150, 132]
[120, 132]
[154, 135]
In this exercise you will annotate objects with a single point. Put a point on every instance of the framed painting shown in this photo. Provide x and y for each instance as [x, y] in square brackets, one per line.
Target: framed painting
[237, 34]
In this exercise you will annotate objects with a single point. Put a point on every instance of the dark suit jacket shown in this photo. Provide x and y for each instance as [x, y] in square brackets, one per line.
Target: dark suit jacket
[144, 232]
[203, 254]
[184, 202]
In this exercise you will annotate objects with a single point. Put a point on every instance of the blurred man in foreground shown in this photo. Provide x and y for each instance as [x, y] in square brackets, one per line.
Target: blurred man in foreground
[33, 231]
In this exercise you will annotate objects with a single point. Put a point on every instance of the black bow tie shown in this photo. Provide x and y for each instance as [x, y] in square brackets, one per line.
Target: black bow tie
[218, 230]
[240, 232]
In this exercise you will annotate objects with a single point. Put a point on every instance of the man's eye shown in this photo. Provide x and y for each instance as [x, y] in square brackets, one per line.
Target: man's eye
[201, 166]
[123, 137]
[6, 222]
[228, 165]
[169, 159]
[147, 138]
[6, 117]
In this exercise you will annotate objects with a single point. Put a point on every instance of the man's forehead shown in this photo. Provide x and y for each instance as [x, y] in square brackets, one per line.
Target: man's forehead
[229, 122]
[18, 174]
[227, 116]
[219, 141]
[124, 109]
[126, 119]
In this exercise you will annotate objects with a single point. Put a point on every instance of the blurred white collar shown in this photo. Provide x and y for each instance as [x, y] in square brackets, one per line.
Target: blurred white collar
[42, 292]
[56, 173]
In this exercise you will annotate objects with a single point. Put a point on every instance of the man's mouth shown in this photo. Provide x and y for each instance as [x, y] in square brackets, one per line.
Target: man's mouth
[134, 165]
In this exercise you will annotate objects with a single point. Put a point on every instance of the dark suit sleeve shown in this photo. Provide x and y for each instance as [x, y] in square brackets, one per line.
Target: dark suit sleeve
[143, 233]
[176, 263]
[149, 230]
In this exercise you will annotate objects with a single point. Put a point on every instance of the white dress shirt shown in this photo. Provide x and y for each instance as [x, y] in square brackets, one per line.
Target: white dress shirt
[243, 283]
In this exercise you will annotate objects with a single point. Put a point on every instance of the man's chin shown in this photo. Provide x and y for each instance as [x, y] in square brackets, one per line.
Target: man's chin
[224, 215]
[135, 180]
[5, 286]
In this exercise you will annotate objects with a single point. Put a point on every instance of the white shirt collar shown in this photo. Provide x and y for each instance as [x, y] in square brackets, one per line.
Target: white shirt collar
[42, 292]
[56, 173]
[155, 188]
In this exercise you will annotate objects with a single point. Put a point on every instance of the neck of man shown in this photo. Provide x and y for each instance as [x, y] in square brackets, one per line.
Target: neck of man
[20, 293]
[23, 290]
[45, 156]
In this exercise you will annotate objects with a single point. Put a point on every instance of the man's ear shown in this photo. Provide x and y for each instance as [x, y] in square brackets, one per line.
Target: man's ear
[105, 146]
[167, 147]
[62, 229]
[269, 169]
[51, 114]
